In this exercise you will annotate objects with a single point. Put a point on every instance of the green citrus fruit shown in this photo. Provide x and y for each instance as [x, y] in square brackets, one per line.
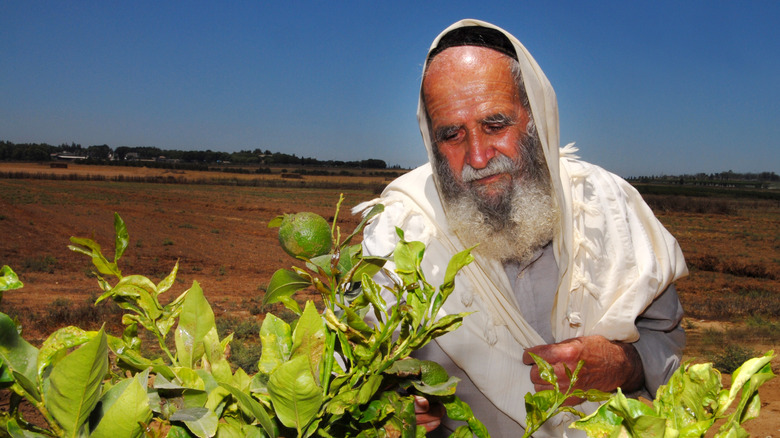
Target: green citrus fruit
[432, 373]
[305, 235]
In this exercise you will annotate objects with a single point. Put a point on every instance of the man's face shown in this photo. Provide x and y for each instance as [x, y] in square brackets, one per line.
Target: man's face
[476, 115]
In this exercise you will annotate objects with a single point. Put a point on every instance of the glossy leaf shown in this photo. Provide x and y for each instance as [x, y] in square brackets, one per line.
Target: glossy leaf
[74, 384]
[442, 389]
[94, 251]
[216, 356]
[19, 356]
[60, 342]
[253, 409]
[369, 388]
[195, 321]
[276, 222]
[200, 421]
[168, 281]
[460, 411]
[125, 407]
[122, 239]
[744, 373]
[133, 359]
[309, 338]
[295, 395]
[408, 257]
[282, 286]
[276, 342]
[373, 293]
[15, 431]
[8, 280]
[369, 266]
[138, 291]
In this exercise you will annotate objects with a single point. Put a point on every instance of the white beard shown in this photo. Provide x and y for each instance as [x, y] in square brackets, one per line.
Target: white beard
[526, 228]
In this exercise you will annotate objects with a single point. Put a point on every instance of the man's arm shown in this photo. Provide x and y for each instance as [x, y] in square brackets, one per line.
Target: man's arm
[661, 339]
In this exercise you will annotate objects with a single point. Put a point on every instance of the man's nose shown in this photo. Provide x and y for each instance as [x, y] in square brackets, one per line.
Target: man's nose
[480, 151]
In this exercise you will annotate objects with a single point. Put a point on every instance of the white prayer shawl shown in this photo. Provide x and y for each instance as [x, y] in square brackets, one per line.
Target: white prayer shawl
[614, 256]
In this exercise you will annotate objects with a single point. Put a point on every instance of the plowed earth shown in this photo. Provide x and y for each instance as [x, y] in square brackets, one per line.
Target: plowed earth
[219, 236]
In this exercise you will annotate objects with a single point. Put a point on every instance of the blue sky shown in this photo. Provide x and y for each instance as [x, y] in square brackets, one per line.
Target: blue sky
[643, 87]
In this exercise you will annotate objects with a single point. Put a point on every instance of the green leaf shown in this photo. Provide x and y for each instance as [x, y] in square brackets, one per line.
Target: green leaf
[95, 252]
[342, 402]
[15, 431]
[200, 421]
[441, 327]
[253, 409]
[217, 356]
[276, 222]
[195, 321]
[441, 389]
[295, 395]
[602, 423]
[122, 238]
[690, 395]
[743, 374]
[19, 356]
[460, 411]
[546, 371]
[456, 263]
[140, 291]
[9, 280]
[749, 404]
[407, 258]
[369, 266]
[276, 343]
[282, 286]
[355, 322]
[321, 264]
[168, 281]
[309, 338]
[369, 388]
[73, 388]
[373, 293]
[177, 431]
[638, 418]
[125, 407]
[60, 342]
[130, 357]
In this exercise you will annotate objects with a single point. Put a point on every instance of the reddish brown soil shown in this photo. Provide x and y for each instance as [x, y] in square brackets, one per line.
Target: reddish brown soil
[218, 234]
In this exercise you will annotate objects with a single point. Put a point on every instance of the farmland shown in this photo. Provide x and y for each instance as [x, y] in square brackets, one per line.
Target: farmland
[219, 235]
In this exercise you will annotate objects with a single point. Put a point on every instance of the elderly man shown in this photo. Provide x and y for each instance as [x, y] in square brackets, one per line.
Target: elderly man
[571, 264]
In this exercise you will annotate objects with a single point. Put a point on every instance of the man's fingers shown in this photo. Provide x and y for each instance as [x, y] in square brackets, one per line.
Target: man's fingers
[428, 415]
[421, 405]
[566, 351]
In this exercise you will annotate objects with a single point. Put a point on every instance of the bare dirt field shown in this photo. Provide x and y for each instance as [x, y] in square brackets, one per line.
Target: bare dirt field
[220, 237]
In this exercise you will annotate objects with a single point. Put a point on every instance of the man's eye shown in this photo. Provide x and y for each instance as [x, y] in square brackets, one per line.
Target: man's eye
[495, 127]
[448, 136]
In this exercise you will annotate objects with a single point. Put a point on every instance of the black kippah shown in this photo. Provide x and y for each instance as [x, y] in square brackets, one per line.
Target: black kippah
[475, 36]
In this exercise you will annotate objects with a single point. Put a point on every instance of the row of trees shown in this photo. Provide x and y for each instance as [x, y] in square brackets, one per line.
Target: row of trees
[44, 152]
[760, 180]
[720, 176]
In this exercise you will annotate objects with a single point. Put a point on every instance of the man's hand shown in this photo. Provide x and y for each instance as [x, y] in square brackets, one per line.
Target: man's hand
[608, 365]
[428, 416]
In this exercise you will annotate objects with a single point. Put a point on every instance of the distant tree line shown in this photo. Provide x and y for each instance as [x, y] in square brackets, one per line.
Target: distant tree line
[721, 179]
[103, 153]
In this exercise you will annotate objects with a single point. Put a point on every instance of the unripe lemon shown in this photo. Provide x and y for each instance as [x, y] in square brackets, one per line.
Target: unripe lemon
[305, 235]
[432, 373]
